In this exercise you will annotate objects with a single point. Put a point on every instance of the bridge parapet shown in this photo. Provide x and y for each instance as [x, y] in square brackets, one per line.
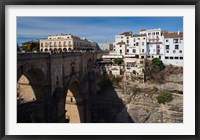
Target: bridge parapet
[27, 56]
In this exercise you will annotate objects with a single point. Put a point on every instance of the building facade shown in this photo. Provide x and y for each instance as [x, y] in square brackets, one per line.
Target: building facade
[128, 44]
[173, 48]
[64, 43]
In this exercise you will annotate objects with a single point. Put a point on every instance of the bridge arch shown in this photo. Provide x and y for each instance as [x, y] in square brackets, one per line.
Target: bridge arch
[31, 81]
[30, 95]
[74, 107]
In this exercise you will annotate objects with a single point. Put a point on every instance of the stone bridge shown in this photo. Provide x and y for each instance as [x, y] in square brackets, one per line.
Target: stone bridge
[54, 87]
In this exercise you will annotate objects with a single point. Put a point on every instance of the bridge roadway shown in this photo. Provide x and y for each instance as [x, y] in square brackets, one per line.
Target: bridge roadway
[54, 87]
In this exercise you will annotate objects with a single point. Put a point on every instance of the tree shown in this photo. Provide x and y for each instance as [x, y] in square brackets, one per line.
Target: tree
[153, 70]
[30, 46]
[164, 97]
[118, 61]
[158, 64]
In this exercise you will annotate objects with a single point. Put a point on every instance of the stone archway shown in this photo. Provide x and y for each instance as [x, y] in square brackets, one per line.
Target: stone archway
[74, 107]
[30, 96]
[31, 84]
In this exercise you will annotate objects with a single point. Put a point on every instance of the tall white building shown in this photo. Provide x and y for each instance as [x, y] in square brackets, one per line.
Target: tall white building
[128, 44]
[173, 48]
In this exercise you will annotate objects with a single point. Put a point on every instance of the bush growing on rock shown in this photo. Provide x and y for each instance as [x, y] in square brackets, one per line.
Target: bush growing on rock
[164, 97]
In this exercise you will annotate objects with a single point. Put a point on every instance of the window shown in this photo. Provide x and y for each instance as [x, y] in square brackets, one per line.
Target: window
[181, 58]
[175, 40]
[149, 33]
[153, 33]
[127, 37]
[121, 37]
[137, 44]
[142, 57]
[166, 46]
[142, 43]
[134, 50]
[166, 57]
[46, 44]
[64, 43]
[120, 45]
[133, 39]
[167, 40]
[171, 57]
[41, 44]
[138, 38]
[127, 50]
[167, 51]
[174, 51]
[159, 57]
[157, 33]
[180, 51]
[176, 47]
[120, 51]
[176, 57]
[127, 44]
[127, 41]
[142, 50]
[143, 38]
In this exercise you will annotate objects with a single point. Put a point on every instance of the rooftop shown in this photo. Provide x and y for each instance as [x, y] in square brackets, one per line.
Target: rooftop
[173, 34]
[129, 33]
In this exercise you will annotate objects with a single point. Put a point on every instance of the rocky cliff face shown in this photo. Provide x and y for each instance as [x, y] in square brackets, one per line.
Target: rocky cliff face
[136, 102]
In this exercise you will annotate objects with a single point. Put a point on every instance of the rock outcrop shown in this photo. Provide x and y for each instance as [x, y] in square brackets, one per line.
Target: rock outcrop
[137, 102]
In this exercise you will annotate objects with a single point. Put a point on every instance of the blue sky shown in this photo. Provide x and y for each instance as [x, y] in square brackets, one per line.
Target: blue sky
[98, 29]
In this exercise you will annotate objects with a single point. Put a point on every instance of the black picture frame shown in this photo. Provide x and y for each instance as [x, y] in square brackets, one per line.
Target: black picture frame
[3, 4]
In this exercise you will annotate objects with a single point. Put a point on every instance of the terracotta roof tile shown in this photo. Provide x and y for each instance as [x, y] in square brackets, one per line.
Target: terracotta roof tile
[129, 33]
[173, 35]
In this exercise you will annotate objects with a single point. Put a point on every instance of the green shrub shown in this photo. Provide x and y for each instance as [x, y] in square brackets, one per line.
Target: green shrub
[164, 97]
[158, 64]
[118, 61]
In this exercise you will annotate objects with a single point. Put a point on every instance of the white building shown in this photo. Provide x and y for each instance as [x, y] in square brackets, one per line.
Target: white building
[129, 44]
[173, 48]
[63, 43]
[153, 35]
[167, 46]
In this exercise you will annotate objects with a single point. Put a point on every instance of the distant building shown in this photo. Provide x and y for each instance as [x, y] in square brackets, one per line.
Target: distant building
[64, 43]
[106, 46]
